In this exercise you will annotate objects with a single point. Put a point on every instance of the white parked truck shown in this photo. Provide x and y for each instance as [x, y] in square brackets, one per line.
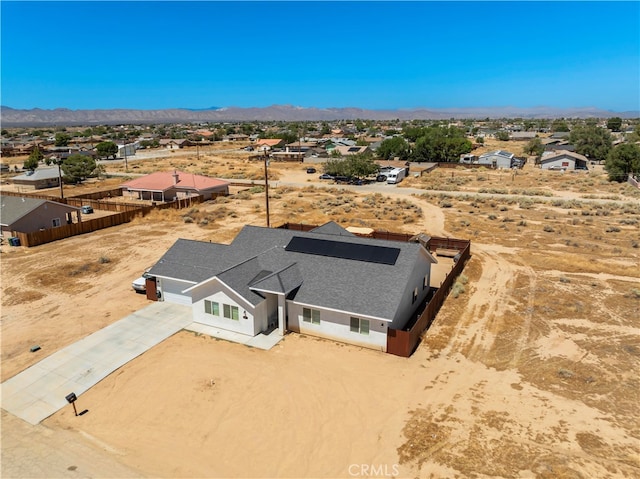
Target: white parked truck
[396, 175]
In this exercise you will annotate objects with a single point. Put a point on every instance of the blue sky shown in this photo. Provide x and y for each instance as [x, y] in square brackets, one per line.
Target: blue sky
[377, 55]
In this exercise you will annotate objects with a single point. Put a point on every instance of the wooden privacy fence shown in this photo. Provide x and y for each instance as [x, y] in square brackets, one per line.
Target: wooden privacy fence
[403, 343]
[46, 236]
[377, 234]
[125, 212]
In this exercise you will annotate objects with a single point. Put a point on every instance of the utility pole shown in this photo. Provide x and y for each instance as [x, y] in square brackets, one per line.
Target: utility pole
[126, 166]
[266, 184]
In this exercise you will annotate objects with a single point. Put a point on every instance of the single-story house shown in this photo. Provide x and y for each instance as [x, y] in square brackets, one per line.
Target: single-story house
[523, 135]
[39, 178]
[171, 185]
[174, 143]
[30, 214]
[497, 159]
[351, 150]
[563, 160]
[265, 144]
[326, 282]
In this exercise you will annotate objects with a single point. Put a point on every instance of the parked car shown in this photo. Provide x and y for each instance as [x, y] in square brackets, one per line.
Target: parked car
[140, 284]
[355, 181]
[311, 170]
[342, 179]
[557, 168]
[381, 178]
[326, 176]
[86, 210]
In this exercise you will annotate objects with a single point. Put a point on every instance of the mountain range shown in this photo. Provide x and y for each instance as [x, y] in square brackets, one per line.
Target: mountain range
[11, 117]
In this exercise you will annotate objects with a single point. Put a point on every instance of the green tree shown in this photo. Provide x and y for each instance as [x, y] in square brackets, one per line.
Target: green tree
[592, 141]
[62, 139]
[441, 144]
[355, 165]
[622, 160]
[78, 168]
[502, 135]
[615, 123]
[534, 147]
[35, 157]
[394, 147]
[559, 125]
[480, 140]
[106, 149]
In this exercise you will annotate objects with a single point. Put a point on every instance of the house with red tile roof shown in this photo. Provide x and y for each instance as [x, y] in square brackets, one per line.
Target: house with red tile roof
[268, 143]
[171, 185]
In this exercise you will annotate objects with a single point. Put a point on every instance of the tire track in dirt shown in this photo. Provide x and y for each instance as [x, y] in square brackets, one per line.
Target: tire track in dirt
[486, 312]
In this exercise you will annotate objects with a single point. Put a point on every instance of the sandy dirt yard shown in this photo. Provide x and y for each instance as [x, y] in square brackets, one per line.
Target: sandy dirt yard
[529, 370]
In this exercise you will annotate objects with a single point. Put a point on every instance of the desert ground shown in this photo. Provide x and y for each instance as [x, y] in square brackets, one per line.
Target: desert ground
[529, 370]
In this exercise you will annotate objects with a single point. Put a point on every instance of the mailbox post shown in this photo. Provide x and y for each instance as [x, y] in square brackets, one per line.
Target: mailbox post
[71, 399]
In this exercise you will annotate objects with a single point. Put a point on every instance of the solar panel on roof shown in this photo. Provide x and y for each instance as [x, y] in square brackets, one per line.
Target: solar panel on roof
[344, 250]
[353, 148]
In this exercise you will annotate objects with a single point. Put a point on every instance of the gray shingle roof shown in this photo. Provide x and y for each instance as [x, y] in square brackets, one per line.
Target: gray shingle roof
[40, 174]
[12, 208]
[256, 261]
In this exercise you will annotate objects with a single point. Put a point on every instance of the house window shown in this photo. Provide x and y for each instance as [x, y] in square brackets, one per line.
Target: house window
[56, 222]
[310, 315]
[425, 282]
[231, 312]
[415, 295]
[359, 325]
[211, 307]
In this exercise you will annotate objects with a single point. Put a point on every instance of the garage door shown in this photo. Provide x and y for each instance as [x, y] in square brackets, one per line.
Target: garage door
[172, 291]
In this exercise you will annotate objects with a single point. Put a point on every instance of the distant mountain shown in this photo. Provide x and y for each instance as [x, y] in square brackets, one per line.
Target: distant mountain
[11, 117]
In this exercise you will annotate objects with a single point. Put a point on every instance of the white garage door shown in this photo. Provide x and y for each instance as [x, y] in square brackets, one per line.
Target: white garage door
[172, 291]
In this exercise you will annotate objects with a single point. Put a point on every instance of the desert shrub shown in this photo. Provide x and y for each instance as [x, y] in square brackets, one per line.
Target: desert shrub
[445, 204]
[187, 219]
[522, 223]
[564, 279]
[612, 229]
[565, 373]
[458, 289]
[492, 217]
[548, 229]
[104, 260]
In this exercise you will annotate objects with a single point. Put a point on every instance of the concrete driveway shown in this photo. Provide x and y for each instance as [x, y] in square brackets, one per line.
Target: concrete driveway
[39, 391]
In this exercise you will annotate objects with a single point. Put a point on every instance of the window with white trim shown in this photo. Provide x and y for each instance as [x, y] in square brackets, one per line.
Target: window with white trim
[310, 315]
[425, 282]
[359, 325]
[211, 307]
[415, 295]
[230, 312]
[56, 222]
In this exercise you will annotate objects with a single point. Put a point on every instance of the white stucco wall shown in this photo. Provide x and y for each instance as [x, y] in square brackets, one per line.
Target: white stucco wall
[562, 162]
[218, 292]
[337, 325]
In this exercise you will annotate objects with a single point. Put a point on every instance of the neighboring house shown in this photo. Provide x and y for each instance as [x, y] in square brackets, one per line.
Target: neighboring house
[171, 185]
[563, 160]
[128, 149]
[351, 150]
[497, 159]
[30, 214]
[39, 178]
[265, 144]
[173, 144]
[326, 282]
[523, 135]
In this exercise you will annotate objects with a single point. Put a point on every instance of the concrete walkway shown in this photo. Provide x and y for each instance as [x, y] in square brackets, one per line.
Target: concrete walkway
[39, 391]
[260, 341]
